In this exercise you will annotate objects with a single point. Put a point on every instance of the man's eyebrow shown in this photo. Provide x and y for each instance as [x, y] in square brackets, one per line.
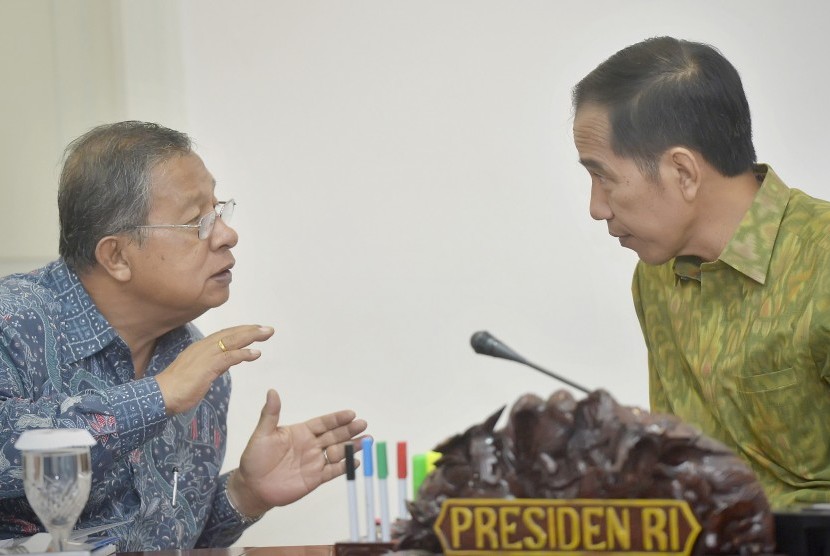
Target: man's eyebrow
[592, 164]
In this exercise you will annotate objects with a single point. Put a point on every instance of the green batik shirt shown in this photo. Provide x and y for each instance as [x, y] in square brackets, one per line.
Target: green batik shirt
[740, 346]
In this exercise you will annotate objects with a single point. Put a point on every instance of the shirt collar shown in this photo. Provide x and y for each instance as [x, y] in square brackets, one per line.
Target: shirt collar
[86, 330]
[687, 267]
[750, 249]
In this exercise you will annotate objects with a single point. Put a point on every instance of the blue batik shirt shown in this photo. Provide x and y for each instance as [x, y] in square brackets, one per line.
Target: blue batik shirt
[63, 365]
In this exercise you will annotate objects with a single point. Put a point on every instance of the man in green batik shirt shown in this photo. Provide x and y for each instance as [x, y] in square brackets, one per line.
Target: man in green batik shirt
[733, 285]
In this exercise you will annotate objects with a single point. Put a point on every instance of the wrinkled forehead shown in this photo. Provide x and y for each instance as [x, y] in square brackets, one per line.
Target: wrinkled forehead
[592, 137]
[185, 167]
[592, 126]
[183, 176]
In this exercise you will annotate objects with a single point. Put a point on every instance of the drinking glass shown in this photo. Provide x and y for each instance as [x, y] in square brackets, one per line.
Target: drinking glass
[57, 475]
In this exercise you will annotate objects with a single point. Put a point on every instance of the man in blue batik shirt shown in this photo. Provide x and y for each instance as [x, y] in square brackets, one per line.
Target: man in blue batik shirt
[102, 339]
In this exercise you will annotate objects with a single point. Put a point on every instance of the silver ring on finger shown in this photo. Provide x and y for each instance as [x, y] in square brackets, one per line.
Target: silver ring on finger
[326, 456]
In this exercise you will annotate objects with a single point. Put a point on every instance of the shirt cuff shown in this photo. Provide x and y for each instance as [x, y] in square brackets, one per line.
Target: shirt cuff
[139, 411]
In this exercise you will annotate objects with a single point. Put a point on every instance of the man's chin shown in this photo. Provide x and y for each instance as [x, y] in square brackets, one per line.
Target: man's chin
[652, 260]
[212, 303]
[628, 242]
[650, 257]
[220, 300]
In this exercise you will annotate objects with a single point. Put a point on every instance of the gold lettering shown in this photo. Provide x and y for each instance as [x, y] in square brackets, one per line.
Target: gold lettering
[552, 528]
[508, 516]
[485, 526]
[591, 529]
[460, 520]
[536, 535]
[674, 529]
[654, 529]
[618, 530]
[570, 526]
[567, 514]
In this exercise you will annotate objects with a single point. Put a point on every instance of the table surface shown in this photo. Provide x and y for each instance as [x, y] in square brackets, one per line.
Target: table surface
[312, 550]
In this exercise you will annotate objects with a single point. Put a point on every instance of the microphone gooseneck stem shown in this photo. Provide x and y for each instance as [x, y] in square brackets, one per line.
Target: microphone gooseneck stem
[486, 344]
[557, 377]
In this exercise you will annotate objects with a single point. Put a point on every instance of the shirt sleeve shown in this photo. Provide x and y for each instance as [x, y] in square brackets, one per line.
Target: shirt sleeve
[225, 524]
[33, 396]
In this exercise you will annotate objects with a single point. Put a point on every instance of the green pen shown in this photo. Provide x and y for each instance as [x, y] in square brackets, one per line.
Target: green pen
[419, 472]
[383, 492]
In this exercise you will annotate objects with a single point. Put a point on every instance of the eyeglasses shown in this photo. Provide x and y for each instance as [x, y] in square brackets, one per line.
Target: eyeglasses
[223, 209]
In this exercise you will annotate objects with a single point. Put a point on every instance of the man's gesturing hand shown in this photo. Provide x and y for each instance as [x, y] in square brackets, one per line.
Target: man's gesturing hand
[282, 464]
[186, 380]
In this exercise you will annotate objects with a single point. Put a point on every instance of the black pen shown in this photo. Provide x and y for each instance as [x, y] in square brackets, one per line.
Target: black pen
[354, 534]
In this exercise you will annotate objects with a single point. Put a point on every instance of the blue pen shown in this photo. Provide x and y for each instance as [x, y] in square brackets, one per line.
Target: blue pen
[368, 472]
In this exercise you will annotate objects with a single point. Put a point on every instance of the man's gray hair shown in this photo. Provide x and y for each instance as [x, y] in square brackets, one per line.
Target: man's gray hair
[105, 184]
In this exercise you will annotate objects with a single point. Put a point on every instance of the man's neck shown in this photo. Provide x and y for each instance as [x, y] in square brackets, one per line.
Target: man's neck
[136, 321]
[721, 205]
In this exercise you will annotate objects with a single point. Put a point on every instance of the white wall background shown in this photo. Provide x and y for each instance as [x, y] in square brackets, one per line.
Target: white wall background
[66, 66]
[406, 176]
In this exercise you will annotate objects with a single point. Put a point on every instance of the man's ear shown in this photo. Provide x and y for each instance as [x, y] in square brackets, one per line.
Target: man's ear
[684, 170]
[111, 256]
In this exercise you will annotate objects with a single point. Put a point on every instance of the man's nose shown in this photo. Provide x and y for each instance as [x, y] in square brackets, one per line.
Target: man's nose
[223, 234]
[599, 208]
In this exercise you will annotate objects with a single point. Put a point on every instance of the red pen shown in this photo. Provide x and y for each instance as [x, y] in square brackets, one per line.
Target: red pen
[402, 511]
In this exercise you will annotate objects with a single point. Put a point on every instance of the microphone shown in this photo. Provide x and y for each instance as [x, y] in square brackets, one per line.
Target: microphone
[486, 344]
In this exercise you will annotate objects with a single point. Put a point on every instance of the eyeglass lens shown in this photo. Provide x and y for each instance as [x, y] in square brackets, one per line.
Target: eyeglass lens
[226, 212]
[207, 222]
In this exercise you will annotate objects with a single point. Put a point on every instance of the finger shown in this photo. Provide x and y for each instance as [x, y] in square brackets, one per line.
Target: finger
[324, 423]
[230, 358]
[269, 417]
[337, 469]
[358, 443]
[333, 471]
[222, 362]
[238, 337]
[342, 433]
[337, 452]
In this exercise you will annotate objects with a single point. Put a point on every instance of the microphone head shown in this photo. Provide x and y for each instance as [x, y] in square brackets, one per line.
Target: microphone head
[479, 341]
[486, 344]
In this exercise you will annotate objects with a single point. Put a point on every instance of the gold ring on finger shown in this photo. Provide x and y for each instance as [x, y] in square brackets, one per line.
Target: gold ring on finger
[222, 346]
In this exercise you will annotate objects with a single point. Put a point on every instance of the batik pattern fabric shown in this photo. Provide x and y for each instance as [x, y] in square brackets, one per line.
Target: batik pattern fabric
[63, 366]
[739, 346]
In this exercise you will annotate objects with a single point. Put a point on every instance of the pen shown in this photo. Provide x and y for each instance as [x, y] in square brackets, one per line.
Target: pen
[175, 484]
[371, 530]
[432, 457]
[98, 542]
[419, 471]
[403, 513]
[354, 535]
[383, 493]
